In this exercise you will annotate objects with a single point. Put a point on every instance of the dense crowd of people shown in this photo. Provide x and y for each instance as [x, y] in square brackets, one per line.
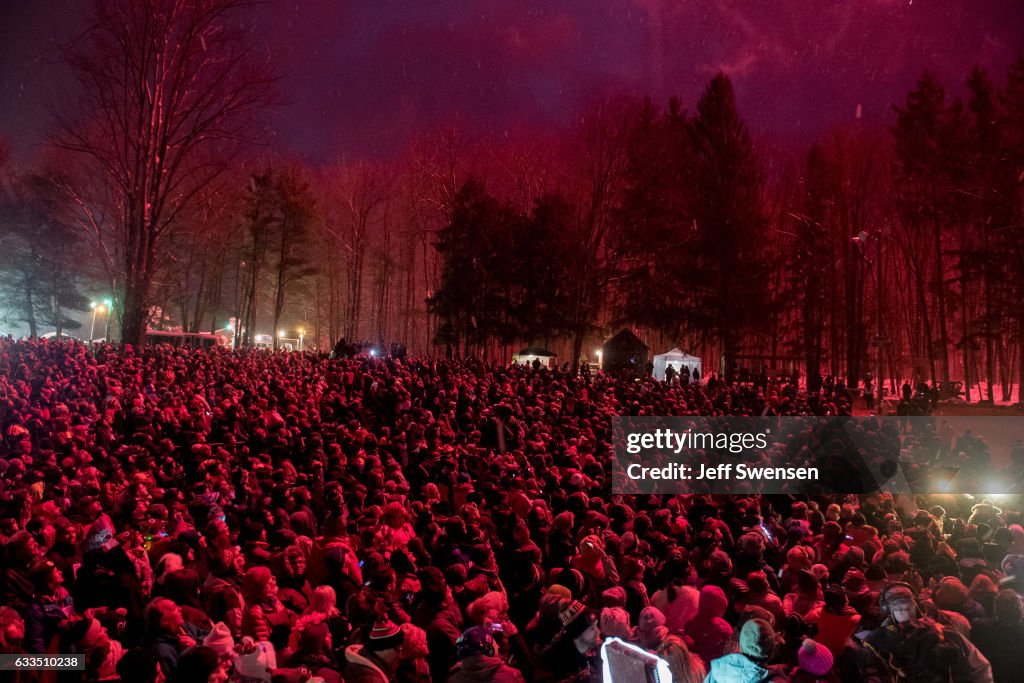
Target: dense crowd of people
[245, 516]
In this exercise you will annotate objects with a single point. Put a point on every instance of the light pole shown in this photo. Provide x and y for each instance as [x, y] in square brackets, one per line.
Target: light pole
[302, 334]
[96, 308]
[108, 305]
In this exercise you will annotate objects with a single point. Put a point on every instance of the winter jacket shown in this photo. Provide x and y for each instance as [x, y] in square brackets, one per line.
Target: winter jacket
[483, 669]
[680, 611]
[43, 617]
[738, 668]
[834, 630]
[1003, 645]
[708, 631]
[443, 626]
[807, 608]
[925, 652]
[770, 602]
[362, 666]
[268, 622]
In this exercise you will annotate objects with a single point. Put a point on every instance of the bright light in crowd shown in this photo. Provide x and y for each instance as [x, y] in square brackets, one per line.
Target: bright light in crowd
[280, 334]
[302, 331]
[995, 489]
[108, 303]
[373, 352]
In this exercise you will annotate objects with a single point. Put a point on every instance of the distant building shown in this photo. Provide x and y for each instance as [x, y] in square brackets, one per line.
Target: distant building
[625, 352]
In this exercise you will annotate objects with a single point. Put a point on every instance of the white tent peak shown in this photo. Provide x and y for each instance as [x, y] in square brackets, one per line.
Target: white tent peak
[676, 359]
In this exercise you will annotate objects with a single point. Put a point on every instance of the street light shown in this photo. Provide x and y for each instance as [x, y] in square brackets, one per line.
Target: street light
[302, 333]
[96, 308]
[108, 306]
[599, 354]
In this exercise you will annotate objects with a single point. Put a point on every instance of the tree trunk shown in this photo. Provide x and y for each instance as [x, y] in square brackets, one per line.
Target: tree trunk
[922, 304]
[30, 308]
[1020, 361]
[990, 350]
[133, 322]
[964, 323]
[282, 264]
[940, 285]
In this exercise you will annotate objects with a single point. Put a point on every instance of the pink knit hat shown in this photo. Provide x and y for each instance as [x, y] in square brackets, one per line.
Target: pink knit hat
[814, 658]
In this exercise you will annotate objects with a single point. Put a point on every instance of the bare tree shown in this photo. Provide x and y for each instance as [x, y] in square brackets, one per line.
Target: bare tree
[601, 154]
[296, 210]
[166, 85]
[354, 208]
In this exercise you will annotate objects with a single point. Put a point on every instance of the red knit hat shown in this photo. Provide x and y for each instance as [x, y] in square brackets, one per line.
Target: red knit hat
[386, 635]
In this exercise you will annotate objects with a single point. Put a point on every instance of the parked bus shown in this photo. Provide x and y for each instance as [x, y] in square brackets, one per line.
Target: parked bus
[195, 340]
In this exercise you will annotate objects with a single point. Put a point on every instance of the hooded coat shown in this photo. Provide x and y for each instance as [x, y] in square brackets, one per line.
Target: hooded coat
[708, 631]
[738, 668]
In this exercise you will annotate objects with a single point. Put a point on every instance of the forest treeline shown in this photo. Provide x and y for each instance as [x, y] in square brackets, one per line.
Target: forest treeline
[895, 250]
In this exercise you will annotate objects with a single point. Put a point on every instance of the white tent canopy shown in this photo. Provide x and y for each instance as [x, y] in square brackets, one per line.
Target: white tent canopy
[531, 353]
[676, 359]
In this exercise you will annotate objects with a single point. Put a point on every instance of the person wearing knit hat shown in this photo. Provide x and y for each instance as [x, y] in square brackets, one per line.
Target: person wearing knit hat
[376, 660]
[614, 597]
[750, 664]
[572, 579]
[385, 635]
[265, 618]
[760, 594]
[573, 654]
[220, 640]
[545, 625]
[952, 595]
[479, 660]
[614, 623]
[254, 662]
[561, 591]
[100, 536]
[650, 628]
[814, 662]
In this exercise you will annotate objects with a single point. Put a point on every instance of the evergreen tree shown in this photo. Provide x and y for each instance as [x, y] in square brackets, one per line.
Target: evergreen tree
[726, 284]
[924, 189]
[655, 216]
[473, 284]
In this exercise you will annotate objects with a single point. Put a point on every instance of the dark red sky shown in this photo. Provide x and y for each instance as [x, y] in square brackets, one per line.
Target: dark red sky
[361, 77]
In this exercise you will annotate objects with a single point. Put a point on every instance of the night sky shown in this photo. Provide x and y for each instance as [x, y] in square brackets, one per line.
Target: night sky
[361, 78]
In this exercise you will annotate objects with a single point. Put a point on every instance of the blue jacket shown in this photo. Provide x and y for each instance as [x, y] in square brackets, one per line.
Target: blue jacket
[738, 668]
